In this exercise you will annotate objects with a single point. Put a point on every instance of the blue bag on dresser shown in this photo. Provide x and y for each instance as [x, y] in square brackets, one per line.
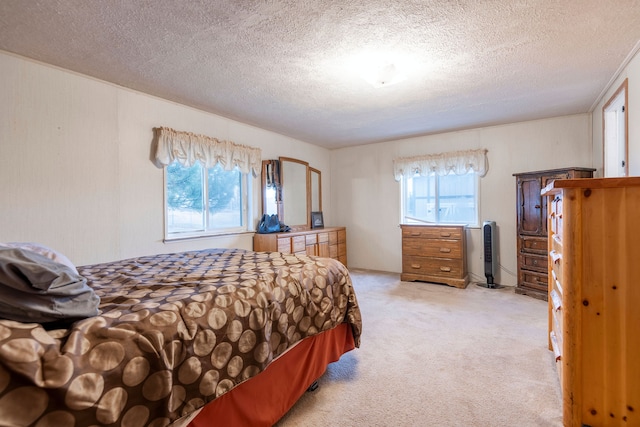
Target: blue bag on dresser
[269, 224]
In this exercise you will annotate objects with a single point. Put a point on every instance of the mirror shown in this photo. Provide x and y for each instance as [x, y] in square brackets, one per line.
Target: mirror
[294, 178]
[291, 189]
[316, 194]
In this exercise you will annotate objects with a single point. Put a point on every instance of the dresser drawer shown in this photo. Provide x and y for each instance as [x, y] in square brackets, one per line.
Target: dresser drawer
[432, 266]
[333, 238]
[284, 245]
[432, 247]
[299, 244]
[452, 233]
[534, 280]
[533, 262]
[534, 245]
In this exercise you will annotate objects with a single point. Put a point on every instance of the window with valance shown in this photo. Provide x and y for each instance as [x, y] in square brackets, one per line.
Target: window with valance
[441, 188]
[206, 183]
[188, 148]
[457, 162]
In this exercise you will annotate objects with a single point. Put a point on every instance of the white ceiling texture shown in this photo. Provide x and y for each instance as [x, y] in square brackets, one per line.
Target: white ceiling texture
[295, 66]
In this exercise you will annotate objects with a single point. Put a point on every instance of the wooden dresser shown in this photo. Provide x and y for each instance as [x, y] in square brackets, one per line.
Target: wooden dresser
[329, 242]
[433, 253]
[532, 227]
[594, 298]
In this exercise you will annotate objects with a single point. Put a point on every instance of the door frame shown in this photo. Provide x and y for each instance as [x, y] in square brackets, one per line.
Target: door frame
[623, 87]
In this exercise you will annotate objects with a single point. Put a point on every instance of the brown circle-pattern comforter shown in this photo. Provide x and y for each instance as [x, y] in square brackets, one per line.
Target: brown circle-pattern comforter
[174, 332]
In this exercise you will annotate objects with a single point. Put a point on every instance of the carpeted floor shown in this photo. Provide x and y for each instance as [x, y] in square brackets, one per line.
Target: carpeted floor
[434, 355]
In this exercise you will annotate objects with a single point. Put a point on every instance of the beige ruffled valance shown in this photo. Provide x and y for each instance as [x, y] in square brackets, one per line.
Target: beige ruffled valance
[188, 148]
[458, 162]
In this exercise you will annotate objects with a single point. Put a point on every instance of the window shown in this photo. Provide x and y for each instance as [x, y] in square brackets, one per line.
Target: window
[440, 199]
[204, 201]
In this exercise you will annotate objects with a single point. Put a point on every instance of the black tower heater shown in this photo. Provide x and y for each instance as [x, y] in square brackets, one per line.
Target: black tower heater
[490, 256]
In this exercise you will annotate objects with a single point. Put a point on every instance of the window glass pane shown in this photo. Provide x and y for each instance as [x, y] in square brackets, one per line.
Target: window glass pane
[457, 198]
[184, 198]
[224, 198]
[420, 199]
[437, 199]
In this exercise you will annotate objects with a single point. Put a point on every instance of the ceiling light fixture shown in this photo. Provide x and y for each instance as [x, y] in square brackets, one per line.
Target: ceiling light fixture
[383, 74]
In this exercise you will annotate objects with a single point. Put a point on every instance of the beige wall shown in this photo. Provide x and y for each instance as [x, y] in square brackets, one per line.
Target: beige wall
[366, 198]
[75, 163]
[76, 174]
[631, 72]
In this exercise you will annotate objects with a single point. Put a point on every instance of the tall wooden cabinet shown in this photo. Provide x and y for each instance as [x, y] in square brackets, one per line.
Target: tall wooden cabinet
[328, 242]
[594, 298]
[532, 227]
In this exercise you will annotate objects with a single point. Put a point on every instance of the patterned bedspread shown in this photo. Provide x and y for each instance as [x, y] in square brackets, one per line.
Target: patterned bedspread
[174, 332]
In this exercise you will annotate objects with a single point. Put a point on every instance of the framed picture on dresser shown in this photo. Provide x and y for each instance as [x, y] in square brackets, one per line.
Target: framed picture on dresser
[316, 220]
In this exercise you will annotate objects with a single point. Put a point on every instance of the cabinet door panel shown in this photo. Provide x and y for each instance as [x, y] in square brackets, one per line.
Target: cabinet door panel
[530, 207]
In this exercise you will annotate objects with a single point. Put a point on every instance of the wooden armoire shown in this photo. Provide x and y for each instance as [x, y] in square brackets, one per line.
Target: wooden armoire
[532, 227]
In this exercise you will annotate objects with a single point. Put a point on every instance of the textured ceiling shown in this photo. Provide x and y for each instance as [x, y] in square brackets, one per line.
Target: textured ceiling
[291, 66]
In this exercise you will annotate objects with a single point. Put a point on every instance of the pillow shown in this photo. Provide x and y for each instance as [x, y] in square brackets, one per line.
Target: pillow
[42, 250]
[34, 288]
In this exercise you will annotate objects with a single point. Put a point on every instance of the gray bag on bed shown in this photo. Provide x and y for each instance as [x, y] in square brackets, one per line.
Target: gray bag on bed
[34, 288]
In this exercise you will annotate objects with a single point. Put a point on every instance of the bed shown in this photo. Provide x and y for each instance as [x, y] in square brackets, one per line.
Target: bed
[198, 338]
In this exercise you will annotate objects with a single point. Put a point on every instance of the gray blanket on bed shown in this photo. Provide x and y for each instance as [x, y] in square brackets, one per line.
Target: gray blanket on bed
[34, 288]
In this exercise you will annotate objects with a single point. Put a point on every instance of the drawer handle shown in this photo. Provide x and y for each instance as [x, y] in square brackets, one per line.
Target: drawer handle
[556, 301]
[445, 250]
[559, 287]
[415, 266]
[442, 234]
[446, 269]
[556, 348]
[415, 233]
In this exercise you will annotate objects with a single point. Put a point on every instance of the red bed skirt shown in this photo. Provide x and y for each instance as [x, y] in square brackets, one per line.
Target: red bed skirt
[264, 399]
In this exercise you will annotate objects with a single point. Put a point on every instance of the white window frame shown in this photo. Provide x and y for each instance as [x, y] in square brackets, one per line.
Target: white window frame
[209, 232]
[403, 213]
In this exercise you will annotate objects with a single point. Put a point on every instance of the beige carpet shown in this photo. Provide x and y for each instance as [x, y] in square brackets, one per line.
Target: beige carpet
[433, 355]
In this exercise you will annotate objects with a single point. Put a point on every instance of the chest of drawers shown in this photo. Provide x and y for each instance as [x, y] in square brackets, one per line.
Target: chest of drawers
[434, 254]
[328, 242]
[594, 298]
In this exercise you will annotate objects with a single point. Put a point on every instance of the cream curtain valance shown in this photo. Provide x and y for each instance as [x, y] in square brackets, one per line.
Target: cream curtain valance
[188, 148]
[458, 162]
